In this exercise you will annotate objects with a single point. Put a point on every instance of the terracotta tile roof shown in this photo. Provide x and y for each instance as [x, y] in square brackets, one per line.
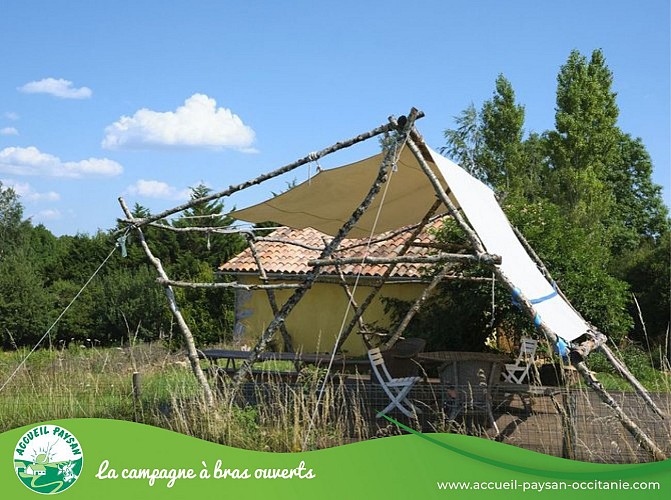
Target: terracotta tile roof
[285, 258]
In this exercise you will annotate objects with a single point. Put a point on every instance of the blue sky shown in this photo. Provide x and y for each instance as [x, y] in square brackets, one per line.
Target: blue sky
[145, 98]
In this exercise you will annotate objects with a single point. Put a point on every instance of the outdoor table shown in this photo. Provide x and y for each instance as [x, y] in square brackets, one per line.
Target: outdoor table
[309, 358]
[465, 377]
[461, 368]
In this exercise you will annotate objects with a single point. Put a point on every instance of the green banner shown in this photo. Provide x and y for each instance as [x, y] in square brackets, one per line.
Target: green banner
[94, 458]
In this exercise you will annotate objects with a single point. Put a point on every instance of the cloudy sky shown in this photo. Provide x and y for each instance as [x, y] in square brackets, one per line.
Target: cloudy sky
[143, 99]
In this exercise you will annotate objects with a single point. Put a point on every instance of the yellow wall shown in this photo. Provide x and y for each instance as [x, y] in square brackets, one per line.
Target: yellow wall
[315, 322]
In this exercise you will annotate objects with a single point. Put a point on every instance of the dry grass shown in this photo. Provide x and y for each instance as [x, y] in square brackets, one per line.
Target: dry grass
[280, 417]
[96, 382]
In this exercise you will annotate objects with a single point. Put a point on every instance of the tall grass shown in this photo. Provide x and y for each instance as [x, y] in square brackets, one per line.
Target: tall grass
[280, 417]
[78, 382]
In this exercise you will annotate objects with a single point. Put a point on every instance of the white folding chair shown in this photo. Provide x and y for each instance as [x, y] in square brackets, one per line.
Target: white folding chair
[516, 372]
[396, 388]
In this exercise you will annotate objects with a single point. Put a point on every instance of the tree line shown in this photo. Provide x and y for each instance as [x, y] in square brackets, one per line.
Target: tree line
[41, 273]
[581, 193]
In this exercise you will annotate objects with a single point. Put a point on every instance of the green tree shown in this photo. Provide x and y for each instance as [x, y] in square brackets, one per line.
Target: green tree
[132, 305]
[12, 226]
[211, 247]
[577, 262]
[648, 270]
[501, 125]
[24, 303]
[464, 143]
[25, 306]
[81, 324]
[639, 213]
[532, 173]
[562, 186]
[584, 145]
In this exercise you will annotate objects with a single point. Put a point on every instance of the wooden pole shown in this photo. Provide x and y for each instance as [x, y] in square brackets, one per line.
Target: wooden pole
[193, 229]
[136, 388]
[483, 258]
[389, 159]
[567, 410]
[271, 295]
[629, 377]
[184, 328]
[234, 284]
[358, 314]
[428, 291]
[262, 178]
[627, 422]
[137, 406]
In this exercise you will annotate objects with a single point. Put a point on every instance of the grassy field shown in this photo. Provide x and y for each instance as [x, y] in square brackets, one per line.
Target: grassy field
[97, 382]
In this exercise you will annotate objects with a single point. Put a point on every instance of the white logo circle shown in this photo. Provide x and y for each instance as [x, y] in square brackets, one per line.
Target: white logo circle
[48, 459]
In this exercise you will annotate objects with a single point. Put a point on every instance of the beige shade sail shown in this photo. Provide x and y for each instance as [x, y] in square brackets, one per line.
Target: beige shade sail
[328, 200]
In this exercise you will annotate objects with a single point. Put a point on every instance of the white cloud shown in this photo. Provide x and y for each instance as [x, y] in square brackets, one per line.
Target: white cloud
[31, 161]
[26, 191]
[56, 87]
[11, 115]
[9, 131]
[48, 214]
[198, 123]
[157, 189]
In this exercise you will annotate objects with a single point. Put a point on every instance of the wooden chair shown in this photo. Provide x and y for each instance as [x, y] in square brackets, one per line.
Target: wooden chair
[515, 373]
[396, 388]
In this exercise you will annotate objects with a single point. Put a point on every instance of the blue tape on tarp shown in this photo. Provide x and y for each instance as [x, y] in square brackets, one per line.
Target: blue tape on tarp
[517, 293]
[562, 348]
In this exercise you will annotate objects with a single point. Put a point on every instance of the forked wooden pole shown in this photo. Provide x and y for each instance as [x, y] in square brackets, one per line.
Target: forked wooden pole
[192, 353]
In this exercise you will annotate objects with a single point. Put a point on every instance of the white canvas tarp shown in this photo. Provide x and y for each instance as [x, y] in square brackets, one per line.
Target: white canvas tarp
[483, 212]
[327, 201]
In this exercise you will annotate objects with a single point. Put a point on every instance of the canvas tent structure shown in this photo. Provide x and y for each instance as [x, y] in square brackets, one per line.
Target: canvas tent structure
[405, 185]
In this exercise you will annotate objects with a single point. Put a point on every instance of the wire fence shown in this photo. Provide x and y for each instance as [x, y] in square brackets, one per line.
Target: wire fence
[569, 423]
[151, 385]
